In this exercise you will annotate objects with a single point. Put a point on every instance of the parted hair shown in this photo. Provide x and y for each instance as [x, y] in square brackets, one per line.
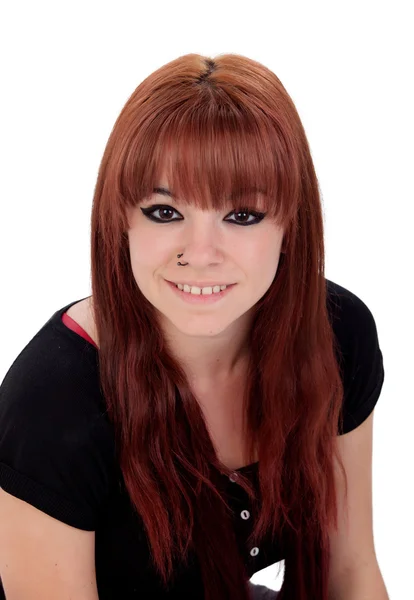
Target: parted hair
[222, 127]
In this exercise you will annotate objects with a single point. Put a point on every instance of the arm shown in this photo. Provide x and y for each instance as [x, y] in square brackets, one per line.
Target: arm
[354, 571]
[363, 583]
[41, 557]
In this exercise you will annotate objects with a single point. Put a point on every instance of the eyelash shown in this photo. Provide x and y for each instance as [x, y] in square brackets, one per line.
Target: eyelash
[149, 213]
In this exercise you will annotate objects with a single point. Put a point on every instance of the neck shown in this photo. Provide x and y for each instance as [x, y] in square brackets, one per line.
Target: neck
[215, 359]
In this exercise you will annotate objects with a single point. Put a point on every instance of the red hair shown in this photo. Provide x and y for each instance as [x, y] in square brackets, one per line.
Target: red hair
[224, 128]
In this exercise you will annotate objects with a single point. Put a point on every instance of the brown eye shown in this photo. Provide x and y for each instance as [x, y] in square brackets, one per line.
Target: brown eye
[242, 216]
[165, 213]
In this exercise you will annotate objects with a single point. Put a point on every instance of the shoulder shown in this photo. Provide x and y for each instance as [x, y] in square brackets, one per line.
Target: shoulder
[82, 313]
[352, 320]
[56, 445]
[345, 306]
[358, 351]
[55, 368]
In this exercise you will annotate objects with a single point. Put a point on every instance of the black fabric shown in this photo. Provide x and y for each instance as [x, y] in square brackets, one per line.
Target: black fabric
[57, 449]
[261, 592]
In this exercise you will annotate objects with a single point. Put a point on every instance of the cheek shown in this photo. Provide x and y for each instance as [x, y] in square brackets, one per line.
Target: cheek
[139, 255]
[262, 262]
[147, 252]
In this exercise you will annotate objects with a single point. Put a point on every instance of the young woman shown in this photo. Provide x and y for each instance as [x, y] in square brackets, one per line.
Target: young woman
[196, 418]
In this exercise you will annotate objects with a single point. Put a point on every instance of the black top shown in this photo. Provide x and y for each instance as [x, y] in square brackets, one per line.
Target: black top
[57, 447]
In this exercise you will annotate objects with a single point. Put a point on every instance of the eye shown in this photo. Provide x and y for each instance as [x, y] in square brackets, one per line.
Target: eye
[244, 214]
[165, 213]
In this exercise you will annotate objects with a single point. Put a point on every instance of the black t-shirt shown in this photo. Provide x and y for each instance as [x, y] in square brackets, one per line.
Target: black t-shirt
[57, 447]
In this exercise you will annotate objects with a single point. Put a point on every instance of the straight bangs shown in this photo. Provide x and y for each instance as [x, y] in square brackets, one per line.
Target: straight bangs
[216, 153]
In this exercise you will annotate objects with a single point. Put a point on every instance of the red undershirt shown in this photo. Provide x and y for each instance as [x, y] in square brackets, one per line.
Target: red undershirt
[72, 324]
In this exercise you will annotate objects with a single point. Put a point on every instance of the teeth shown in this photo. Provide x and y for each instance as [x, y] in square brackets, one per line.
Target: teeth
[200, 291]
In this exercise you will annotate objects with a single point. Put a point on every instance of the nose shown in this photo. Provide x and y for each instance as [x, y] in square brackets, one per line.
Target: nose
[201, 242]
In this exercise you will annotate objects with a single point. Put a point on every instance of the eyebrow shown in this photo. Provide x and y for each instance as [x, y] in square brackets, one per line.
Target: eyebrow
[163, 192]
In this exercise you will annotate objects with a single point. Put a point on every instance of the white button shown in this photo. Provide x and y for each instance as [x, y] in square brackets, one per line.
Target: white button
[245, 514]
[254, 551]
[234, 477]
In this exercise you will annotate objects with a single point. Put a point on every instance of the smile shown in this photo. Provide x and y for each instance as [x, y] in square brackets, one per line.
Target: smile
[197, 295]
[194, 289]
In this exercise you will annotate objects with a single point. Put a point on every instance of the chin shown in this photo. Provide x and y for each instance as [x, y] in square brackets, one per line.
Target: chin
[199, 326]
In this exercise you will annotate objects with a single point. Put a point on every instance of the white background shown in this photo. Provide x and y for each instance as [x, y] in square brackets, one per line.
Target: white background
[68, 68]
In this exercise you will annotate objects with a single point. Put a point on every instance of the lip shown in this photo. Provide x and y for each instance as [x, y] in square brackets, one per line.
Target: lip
[200, 298]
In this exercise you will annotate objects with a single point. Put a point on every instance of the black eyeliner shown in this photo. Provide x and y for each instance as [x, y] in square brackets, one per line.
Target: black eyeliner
[150, 209]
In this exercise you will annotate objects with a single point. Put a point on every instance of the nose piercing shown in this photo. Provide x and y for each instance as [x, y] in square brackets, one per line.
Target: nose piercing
[180, 264]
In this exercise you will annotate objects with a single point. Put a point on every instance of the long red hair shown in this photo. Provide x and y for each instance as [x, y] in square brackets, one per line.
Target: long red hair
[222, 126]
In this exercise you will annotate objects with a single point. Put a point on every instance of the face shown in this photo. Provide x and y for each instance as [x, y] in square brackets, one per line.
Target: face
[227, 247]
